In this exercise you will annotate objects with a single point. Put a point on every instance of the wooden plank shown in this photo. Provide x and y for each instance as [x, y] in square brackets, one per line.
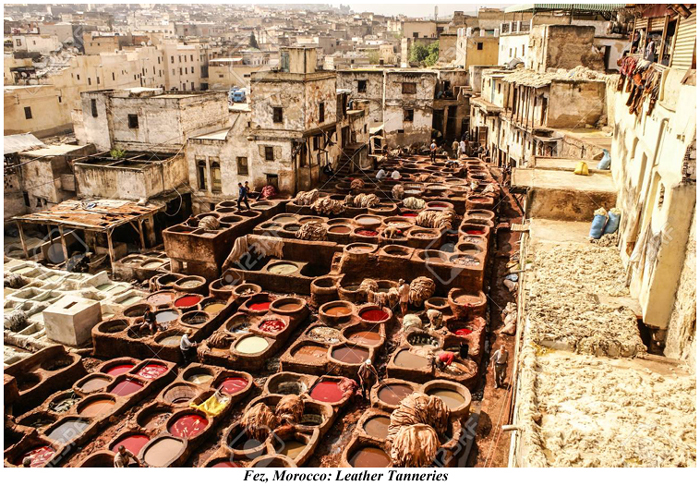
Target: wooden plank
[23, 240]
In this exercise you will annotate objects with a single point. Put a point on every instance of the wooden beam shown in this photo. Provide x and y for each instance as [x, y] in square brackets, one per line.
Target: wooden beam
[23, 240]
[110, 248]
[141, 236]
[64, 245]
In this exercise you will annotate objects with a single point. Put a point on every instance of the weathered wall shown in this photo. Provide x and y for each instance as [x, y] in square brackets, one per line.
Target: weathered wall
[575, 104]
[49, 116]
[654, 193]
[562, 47]
[397, 130]
[512, 46]
[374, 91]
[681, 339]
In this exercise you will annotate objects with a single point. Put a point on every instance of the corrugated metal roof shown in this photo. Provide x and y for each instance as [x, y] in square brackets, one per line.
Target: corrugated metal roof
[14, 144]
[576, 7]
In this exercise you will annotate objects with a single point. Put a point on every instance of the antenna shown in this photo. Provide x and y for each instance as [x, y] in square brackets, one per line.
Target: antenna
[436, 13]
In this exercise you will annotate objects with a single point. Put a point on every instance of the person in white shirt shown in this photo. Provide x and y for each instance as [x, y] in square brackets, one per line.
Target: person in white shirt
[381, 174]
[462, 148]
[186, 347]
[395, 175]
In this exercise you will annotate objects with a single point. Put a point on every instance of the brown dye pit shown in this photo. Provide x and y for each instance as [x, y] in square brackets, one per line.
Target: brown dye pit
[377, 427]
[97, 407]
[292, 448]
[370, 457]
[94, 384]
[370, 338]
[310, 350]
[68, 430]
[451, 398]
[393, 394]
[351, 355]
[406, 359]
[162, 452]
[339, 310]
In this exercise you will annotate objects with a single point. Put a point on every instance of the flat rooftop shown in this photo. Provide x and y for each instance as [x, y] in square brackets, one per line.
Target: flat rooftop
[541, 178]
[52, 150]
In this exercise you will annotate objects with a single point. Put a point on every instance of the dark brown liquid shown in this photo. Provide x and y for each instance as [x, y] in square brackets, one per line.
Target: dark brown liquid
[393, 394]
[347, 354]
[377, 426]
[370, 457]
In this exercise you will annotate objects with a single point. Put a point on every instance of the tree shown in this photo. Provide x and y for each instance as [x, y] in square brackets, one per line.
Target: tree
[253, 41]
[373, 57]
[426, 55]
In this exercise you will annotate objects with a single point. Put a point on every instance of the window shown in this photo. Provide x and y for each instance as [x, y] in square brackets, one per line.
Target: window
[179, 58]
[242, 165]
[133, 121]
[77, 77]
[215, 168]
[191, 58]
[269, 153]
[408, 115]
[315, 143]
[192, 70]
[272, 180]
[19, 43]
[93, 108]
[98, 80]
[89, 81]
[60, 99]
[113, 77]
[362, 86]
[408, 88]
[277, 114]
[192, 85]
[28, 112]
[321, 112]
[202, 175]
[172, 60]
[415, 35]
[479, 46]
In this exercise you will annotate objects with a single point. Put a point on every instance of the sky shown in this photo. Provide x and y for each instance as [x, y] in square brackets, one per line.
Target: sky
[417, 9]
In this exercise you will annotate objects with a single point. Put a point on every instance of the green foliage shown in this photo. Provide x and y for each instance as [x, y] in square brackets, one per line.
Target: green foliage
[426, 55]
[117, 153]
[253, 40]
[373, 57]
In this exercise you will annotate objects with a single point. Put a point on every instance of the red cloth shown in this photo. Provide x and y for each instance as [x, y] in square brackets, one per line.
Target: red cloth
[268, 191]
[447, 357]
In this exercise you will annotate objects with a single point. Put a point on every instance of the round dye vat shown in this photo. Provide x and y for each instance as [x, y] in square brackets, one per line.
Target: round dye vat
[374, 315]
[225, 464]
[475, 232]
[97, 407]
[370, 338]
[68, 430]
[409, 215]
[127, 387]
[64, 405]
[310, 350]
[347, 354]
[260, 306]
[188, 426]
[156, 420]
[272, 326]
[463, 332]
[252, 345]
[200, 378]
[162, 452]
[172, 340]
[368, 220]
[39, 456]
[214, 308]
[370, 457]
[451, 398]
[243, 443]
[152, 371]
[95, 384]
[364, 232]
[163, 298]
[406, 359]
[377, 426]
[339, 229]
[393, 394]
[283, 268]
[338, 310]
[166, 316]
[188, 301]
[119, 369]
[292, 448]
[466, 299]
[438, 205]
[285, 219]
[289, 307]
[133, 443]
[327, 391]
[233, 385]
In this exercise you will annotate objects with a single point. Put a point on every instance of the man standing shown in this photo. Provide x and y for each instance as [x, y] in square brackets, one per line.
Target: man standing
[462, 149]
[433, 151]
[455, 149]
[404, 293]
[368, 377]
[500, 365]
[124, 456]
[187, 347]
[242, 196]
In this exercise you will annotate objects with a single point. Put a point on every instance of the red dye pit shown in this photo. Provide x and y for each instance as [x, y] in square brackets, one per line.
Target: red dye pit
[327, 391]
[127, 387]
[409, 215]
[273, 325]
[259, 306]
[233, 385]
[188, 301]
[119, 369]
[188, 426]
[364, 232]
[463, 332]
[374, 315]
[133, 443]
[39, 456]
[152, 371]
[475, 232]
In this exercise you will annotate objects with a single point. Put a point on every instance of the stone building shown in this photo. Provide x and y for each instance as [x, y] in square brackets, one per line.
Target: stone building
[36, 109]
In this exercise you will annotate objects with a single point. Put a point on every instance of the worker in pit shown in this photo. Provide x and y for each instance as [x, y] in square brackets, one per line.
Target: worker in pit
[381, 175]
[455, 148]
[187, 347]
[149, 322]
[396, 175]
[242, 196]
[368, 377]
[433, 151]
[124, 456]
[404, 291]
[445, 359]
[500, 366]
